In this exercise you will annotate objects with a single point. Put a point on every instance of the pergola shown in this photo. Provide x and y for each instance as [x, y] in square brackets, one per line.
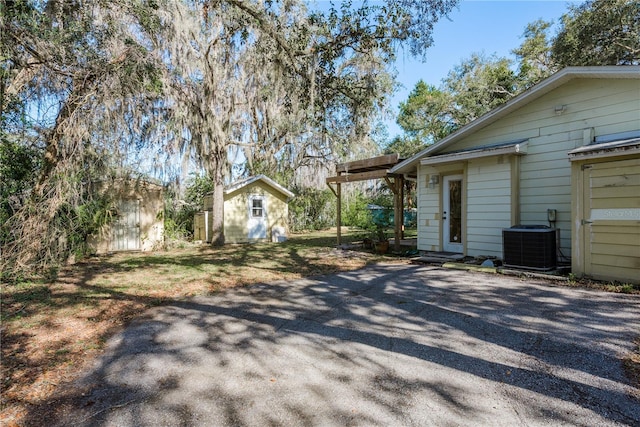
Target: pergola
[372, 168]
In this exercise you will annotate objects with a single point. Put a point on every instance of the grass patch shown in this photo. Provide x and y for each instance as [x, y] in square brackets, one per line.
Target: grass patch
[627, 288]
[616, 287]
[52, 329]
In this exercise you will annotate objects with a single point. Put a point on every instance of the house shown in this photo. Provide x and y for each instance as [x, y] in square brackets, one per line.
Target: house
[137, 217]
[565, 154]
[255, 209]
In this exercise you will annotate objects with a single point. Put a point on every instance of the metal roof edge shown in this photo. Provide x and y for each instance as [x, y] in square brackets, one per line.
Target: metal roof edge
[516, 148]
[620, 147]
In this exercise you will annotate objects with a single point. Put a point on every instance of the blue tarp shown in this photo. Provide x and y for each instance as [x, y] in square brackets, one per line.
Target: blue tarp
[384, 216]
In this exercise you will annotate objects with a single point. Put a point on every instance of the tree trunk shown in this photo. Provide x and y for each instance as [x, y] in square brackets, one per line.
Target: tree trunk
[217, 237]
[52, 150]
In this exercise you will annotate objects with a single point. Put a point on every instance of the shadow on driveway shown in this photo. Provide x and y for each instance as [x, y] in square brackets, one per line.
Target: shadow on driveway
[386, 345]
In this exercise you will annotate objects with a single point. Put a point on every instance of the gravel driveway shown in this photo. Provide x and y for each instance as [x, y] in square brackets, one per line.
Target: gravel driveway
[392, 345]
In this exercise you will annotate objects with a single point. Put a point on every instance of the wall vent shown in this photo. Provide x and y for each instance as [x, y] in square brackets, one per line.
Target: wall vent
[530, 247]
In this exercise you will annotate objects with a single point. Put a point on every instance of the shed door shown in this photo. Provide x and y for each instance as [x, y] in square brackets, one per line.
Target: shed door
[611, 224]
[257, 223]
[126, 229]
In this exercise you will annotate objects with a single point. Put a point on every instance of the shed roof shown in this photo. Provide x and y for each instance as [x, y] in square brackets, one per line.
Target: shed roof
[608, 149]
[137, 183]
[560, 78]
[252, 179]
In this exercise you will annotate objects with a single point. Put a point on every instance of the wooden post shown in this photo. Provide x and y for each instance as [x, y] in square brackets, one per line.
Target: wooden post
[397, 210]
[397, 214]
[361, 170]
[339, 213]
[401, 178]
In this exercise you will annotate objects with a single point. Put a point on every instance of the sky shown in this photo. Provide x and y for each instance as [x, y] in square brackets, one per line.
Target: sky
[492, 27]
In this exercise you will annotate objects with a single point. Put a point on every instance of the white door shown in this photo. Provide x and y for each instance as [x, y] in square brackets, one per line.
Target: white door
[452, 213]
[257, 224]
[126, 228]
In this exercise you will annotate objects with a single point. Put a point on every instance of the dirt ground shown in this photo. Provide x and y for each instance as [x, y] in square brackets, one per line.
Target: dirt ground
[51, 330]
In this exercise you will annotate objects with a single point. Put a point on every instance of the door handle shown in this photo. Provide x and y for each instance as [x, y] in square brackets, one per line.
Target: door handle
[444, 215]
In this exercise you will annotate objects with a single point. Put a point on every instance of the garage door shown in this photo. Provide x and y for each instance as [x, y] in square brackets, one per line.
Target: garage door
[126, 229]
[612, 220]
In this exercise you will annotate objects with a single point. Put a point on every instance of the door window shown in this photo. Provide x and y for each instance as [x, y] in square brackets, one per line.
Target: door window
[256, 208]
[455, 211]
[452, 214]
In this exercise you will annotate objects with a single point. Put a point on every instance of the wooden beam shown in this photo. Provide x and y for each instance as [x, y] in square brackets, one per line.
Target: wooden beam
[332, 189]
[392, 185]
[354, 177]
[338, 193]
[373, 162]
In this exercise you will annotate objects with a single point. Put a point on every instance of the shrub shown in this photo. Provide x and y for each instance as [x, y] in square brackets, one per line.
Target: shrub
[311, 209]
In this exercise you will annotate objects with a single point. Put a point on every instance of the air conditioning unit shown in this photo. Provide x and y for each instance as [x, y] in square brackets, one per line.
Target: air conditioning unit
[530, 247]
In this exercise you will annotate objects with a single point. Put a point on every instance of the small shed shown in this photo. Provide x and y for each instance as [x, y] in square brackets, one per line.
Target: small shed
[255, 209]
[137, 217]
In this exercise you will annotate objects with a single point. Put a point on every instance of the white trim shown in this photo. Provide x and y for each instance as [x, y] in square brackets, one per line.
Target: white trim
[519, 149]
[624, 214]
[243, 183]
[206, 226]
[248, 181]
[257, 223]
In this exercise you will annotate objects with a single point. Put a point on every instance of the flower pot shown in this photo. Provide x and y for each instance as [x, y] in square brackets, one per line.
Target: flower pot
[382, 247]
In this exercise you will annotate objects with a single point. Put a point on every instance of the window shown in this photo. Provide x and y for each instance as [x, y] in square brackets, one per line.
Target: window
[256, 208]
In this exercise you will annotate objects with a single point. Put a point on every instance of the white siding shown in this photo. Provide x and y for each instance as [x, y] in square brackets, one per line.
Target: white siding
[428, 211]
[545, 183]
[608, 105]
[605, 105]
[488, 205]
